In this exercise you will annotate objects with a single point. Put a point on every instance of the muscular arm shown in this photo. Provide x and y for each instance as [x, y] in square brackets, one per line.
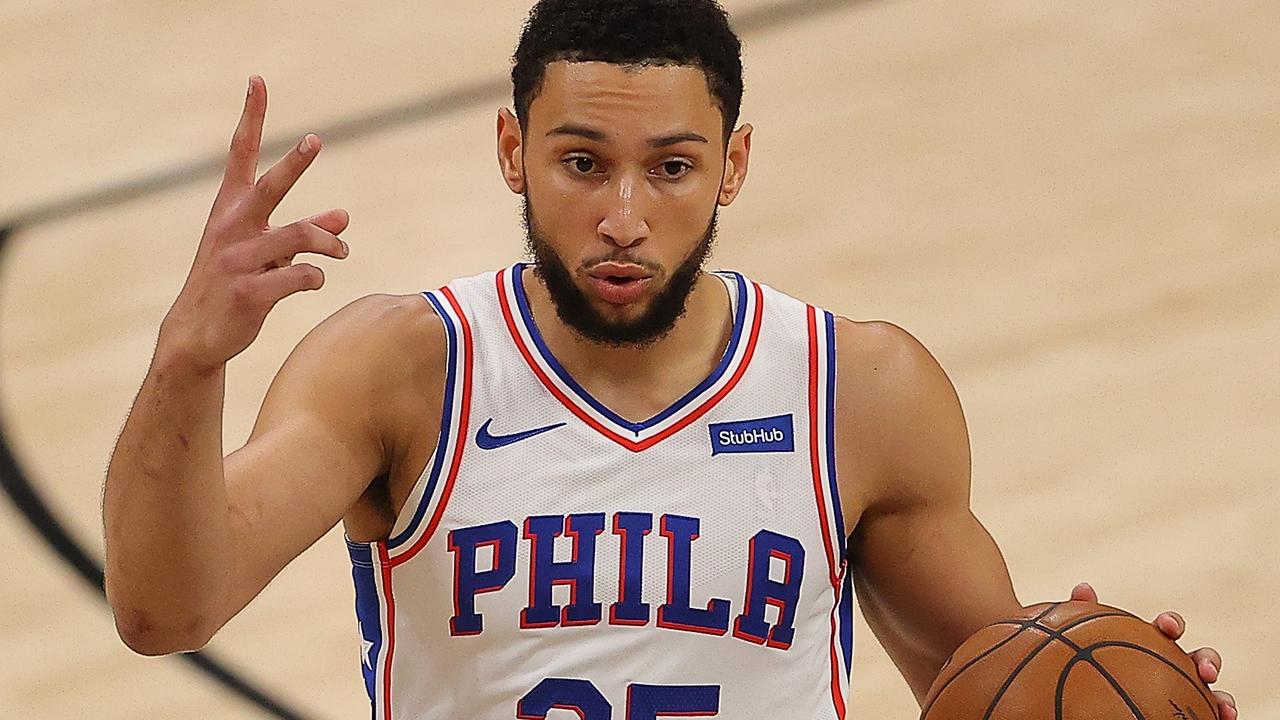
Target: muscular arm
[926, 572]
[192, 537]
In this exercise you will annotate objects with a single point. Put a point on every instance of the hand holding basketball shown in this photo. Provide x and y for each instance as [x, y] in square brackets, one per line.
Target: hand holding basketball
[243, 265]
[1207, 660]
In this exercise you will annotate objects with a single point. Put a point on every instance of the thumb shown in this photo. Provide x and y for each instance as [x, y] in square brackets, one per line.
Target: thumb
[1084, 592]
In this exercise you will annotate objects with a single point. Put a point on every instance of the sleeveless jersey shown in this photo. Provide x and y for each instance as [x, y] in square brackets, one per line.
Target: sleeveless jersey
[556, 560]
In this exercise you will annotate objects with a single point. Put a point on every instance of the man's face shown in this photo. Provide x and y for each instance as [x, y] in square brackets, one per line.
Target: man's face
[622, 172]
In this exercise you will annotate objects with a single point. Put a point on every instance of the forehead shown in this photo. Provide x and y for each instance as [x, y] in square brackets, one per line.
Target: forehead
[624, 98]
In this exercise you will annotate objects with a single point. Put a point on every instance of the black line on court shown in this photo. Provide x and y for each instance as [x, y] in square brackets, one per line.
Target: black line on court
[23, 494]
[423, 109]
[17, 485]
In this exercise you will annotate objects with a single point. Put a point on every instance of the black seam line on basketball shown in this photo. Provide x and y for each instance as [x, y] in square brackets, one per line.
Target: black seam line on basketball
[1150, 653]
[427, 108]
[1051, 635]
[1074, 624]
[1022, 625]
[1060, 692]
[20, 491]
[1086, 655]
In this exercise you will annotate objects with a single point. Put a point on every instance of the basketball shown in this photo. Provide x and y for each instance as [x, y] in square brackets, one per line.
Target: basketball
[1069, 661]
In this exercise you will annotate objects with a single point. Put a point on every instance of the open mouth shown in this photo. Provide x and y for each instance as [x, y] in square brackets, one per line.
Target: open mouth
[619, 284]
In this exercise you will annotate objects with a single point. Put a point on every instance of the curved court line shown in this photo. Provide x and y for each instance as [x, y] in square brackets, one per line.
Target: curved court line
[22, 493]
[16, 484]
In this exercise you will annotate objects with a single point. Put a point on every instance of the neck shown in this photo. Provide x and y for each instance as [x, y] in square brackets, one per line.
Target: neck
[640, 381]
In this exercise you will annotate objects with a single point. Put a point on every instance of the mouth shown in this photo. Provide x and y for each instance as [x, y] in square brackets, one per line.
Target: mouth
[619, 283]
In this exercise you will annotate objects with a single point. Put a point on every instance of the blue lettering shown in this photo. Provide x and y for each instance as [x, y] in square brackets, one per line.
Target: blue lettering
[676, 613]
[578, 573]
[762, 591]
[467, 583]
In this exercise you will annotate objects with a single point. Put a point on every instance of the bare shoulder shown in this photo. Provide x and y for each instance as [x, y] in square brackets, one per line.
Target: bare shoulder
[380, 322]
[901, 435]
[879, 361]
[362, 357]
[382, 337]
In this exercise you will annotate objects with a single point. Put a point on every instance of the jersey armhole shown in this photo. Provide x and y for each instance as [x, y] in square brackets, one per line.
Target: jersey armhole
[422, 509]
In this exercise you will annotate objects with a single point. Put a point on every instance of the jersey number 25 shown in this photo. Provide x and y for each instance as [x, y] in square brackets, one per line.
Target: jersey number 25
[644, 702]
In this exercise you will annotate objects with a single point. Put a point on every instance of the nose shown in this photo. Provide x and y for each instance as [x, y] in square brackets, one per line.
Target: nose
[624, 222]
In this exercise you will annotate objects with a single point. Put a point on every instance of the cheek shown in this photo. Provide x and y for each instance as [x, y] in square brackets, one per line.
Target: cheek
[557, 203]
[691, 207]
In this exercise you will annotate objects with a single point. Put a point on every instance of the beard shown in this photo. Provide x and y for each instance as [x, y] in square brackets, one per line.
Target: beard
[575, 309]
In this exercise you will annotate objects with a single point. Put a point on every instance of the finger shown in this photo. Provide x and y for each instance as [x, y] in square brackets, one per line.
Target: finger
[1227, 709]
[1084, 592]
[242, 160]
[280, 179]
[334, 221]
[1209, 663]
[279, 246]
[1171, 624]
[276, 285]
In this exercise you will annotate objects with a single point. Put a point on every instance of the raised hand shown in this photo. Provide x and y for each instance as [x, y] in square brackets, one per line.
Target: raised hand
[1208, 661]
[244, 265]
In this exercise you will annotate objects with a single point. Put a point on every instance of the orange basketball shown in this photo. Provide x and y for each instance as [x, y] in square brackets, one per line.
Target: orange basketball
[1069, 661]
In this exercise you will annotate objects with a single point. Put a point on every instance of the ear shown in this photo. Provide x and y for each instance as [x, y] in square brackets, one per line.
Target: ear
[511, 151]
[737, 158]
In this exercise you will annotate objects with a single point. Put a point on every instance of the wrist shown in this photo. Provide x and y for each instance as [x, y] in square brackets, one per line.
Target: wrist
[177, 356]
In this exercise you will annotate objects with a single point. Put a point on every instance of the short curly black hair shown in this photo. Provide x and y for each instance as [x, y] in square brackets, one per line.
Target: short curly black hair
[695, 33]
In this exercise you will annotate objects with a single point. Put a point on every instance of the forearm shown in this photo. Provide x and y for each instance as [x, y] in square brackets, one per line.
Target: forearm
[917, 664]
[926, 584]
[165, 510]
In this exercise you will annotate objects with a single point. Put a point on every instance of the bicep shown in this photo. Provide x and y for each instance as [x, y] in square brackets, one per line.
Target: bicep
[318, 441]
[286, 488]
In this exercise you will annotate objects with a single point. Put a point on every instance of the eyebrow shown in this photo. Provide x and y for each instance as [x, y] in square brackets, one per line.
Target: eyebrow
[599, 136]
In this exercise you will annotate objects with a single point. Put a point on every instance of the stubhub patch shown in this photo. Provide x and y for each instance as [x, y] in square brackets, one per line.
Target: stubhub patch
[763, 435]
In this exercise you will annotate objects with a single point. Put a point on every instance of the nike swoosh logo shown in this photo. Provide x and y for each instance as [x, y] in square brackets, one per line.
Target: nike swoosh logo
[489, 441]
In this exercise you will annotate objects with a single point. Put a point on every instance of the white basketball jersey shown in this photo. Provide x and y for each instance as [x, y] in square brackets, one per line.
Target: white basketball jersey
[556, 560]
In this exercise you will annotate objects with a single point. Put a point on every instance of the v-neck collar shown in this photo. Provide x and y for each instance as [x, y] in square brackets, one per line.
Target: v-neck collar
[636, 436]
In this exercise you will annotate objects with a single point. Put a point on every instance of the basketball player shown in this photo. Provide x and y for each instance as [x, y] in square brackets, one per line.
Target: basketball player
[605, 482]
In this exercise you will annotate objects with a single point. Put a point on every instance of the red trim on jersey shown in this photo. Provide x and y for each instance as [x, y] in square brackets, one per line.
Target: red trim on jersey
[837, 697]
[584, 416]
[460, 434]
[813, 447]
[384, 562]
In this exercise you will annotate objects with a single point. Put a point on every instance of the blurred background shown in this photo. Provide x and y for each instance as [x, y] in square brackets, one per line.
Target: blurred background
[1075, 205]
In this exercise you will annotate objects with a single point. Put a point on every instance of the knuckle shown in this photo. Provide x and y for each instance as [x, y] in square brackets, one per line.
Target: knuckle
[300, 241]
[284, 237]
[312, 277]
[230, 260]
[265, 185]
[244, 294]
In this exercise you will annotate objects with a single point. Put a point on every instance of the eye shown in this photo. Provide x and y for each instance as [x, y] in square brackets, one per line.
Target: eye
[581, 164]
[674, 169]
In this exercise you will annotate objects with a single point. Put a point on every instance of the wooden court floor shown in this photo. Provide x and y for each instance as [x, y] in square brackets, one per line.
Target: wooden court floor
[1076, 206]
